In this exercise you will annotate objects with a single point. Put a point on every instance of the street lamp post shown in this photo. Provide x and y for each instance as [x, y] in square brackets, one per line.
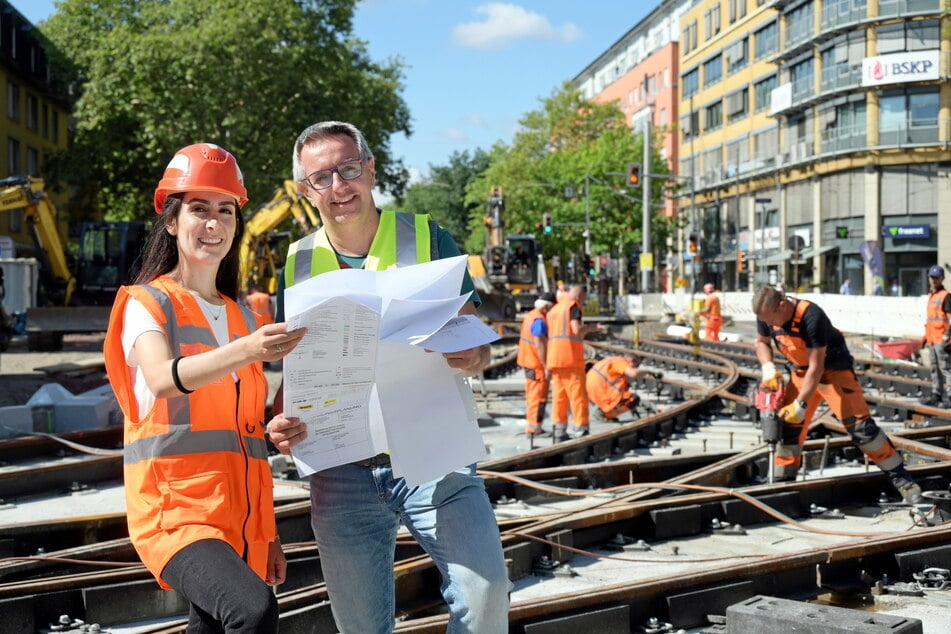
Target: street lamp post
[646, 202]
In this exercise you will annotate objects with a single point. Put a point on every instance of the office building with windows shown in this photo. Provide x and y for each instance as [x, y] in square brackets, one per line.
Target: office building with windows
[816, 135]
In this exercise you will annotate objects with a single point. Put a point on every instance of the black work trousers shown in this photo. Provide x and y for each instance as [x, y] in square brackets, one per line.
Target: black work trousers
[225, 594]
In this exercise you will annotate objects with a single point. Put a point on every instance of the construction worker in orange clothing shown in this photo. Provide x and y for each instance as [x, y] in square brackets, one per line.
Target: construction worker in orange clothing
[260, 302]
[820, 368]
[609, 384]
[712, 313]
[532, 352]
[565, 361]
[937, 338]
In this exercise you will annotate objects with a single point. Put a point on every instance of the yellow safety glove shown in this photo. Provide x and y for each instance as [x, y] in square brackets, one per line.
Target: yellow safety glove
[772, 378]
[794, 412]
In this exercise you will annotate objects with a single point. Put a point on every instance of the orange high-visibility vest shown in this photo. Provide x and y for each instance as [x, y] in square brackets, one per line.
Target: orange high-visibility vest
[196, 465]
[527, 352]
[565, 350]
[790, 342]
[606, 382]
[937, 323]
[260, 303]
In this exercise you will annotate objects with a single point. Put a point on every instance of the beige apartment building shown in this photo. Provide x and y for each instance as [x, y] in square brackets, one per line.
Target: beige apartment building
[816, 137]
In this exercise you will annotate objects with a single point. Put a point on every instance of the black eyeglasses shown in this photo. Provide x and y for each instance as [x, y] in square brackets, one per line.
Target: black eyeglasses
[348, 170]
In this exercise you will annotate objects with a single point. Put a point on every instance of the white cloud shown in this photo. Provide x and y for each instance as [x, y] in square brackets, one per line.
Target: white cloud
[503, 24]
[454, 134]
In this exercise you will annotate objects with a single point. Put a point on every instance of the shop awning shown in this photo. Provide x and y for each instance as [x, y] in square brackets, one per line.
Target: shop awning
[777, 258]
[810, 252]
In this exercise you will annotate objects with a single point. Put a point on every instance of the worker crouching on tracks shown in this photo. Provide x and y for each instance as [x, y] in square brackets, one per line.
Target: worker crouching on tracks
[609, 384]
[184, 360]
[820, 369]
[532, 351]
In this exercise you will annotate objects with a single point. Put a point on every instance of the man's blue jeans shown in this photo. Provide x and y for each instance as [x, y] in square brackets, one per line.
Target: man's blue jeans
[355, 513]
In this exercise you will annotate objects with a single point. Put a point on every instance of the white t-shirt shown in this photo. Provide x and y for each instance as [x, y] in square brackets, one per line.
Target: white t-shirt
[138, 320]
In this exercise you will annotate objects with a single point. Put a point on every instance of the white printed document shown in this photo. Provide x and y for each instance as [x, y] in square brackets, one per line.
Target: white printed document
[368, 376]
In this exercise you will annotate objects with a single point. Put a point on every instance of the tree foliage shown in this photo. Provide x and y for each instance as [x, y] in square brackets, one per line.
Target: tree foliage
[151, 76]
[545, 169]
[443, 194]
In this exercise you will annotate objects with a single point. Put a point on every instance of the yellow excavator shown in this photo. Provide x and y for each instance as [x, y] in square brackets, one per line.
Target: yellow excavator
[261, 251]
[76, 289]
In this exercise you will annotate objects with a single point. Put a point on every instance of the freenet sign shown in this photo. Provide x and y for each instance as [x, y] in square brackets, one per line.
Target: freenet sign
[907, 232]
[899, 68]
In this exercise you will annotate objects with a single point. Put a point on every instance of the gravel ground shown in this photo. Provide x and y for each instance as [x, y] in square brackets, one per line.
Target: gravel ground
[20, 374]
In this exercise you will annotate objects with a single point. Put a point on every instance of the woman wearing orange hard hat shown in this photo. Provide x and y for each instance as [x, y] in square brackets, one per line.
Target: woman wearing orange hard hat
[185, 362]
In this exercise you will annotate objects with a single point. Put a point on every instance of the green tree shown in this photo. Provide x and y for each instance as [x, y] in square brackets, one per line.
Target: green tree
[443, 194]
[562, 146]
[150, 77]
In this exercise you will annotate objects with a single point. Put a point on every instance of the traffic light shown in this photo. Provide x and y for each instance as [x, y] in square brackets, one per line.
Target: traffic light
[589, 265]
[547, 226]
[740, 260]
[693, 245]
[633, 174]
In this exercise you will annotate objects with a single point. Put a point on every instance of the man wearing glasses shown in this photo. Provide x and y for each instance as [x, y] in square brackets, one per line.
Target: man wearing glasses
[356, 508]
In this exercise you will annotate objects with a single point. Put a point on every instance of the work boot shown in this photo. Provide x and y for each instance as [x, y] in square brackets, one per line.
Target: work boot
[537, 432]
[905, 485]
[559, 432]
[581, 431]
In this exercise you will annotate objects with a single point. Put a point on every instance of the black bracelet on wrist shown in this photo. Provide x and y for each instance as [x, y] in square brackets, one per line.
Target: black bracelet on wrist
[176, 379]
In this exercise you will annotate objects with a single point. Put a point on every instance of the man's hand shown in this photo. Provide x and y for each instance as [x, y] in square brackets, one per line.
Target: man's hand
[793, 413]
[470, 361]
[772, 378]
[276, 564]
[286, 432]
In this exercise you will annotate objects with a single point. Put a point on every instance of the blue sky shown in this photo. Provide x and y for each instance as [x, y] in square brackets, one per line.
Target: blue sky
[474, 68]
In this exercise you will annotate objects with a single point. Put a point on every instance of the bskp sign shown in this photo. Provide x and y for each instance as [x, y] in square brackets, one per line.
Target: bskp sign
[899, 68]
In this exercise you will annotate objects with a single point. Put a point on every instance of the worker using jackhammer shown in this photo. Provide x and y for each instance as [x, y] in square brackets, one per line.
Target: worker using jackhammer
[609, 385]
[820, 368]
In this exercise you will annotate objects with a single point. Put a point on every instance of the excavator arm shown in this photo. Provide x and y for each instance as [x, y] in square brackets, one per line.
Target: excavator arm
[256, 263]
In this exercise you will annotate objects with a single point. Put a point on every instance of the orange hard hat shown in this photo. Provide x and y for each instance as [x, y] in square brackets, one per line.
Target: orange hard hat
[201, 167]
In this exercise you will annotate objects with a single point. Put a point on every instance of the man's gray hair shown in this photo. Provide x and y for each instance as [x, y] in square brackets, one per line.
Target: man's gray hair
[321, 132]
[766, 298]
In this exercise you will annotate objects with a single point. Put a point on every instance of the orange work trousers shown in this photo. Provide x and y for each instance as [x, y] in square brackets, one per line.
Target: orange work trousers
[536, 399]
[713, 327]
[568, 386]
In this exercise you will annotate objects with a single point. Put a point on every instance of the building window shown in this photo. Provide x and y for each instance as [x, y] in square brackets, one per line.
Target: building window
[908, 116]
[767, 40]
[32, 112]
[32, 161]
[13, 101]
[842, 62]
[737, 10]
[842, 127]
[690, 125]
[711, 21]
[738, 105]
[766, 147]
[712, 166]
[712, 71]
[909, 36]
[14, 165]
[763, 92]
[690, 83]
[46, 121]
[802, 78]
[800, 24]
[737, 157]
[55, 126]
[736, 55]
[690, 37]
[713, 116]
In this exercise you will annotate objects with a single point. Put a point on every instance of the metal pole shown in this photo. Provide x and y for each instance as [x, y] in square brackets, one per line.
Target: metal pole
[587, 227]
[646, 201]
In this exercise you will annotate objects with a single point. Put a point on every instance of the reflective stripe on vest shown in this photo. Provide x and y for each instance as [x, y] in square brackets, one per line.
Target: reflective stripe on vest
[401, 239]
[599, 368]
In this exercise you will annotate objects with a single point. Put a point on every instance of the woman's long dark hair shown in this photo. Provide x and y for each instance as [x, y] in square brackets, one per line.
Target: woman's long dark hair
[160, 254]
